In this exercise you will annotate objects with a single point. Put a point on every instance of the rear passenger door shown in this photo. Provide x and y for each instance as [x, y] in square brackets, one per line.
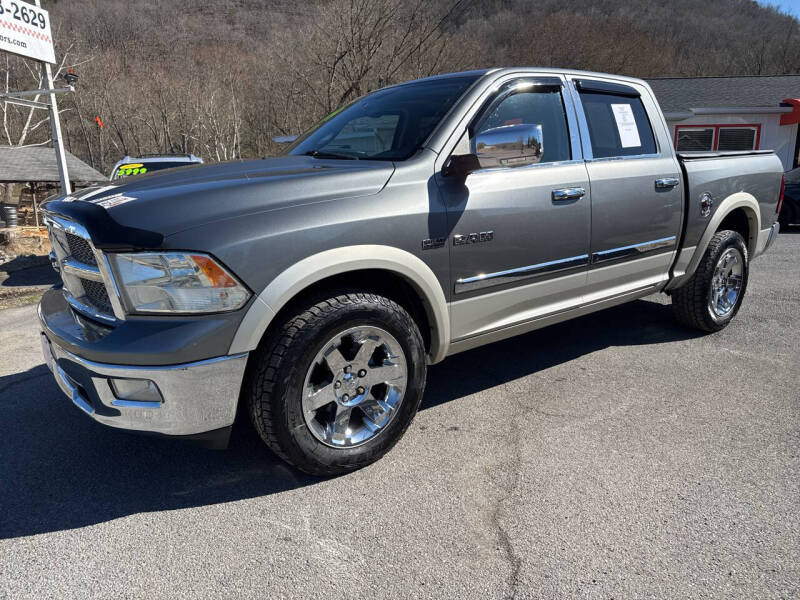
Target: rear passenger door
[636, 196]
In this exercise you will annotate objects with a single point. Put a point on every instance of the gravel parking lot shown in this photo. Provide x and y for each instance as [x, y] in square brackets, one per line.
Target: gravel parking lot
[614, 456]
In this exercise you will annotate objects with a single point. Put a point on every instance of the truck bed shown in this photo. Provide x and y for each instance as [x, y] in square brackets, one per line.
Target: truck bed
[754, 172]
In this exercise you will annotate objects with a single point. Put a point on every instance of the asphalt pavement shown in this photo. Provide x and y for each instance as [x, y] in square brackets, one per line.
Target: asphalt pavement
[618, 455]
[24, 279]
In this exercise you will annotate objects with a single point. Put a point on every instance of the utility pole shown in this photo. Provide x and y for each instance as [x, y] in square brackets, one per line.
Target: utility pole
[55, 126]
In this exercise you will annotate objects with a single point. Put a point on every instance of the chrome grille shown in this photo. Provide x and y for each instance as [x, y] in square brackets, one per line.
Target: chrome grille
[80, 249]
[97, 296]
[84, 279]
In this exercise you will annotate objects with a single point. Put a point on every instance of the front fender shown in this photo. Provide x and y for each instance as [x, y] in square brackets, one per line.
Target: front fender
[317, 267]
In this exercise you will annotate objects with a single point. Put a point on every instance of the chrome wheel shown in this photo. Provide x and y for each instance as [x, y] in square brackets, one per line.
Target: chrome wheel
[354, 386]
[726, 283]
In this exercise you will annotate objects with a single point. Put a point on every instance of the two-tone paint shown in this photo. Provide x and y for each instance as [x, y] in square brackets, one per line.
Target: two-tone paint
[567, 238]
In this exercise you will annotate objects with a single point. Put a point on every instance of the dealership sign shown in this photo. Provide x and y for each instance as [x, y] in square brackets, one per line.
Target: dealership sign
[25, 30]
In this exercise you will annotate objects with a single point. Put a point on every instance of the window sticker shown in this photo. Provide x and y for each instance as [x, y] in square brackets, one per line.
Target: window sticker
[115, 200]
[626, 125]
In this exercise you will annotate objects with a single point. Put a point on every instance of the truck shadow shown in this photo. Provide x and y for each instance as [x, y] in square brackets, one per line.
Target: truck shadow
[27, 271]
[632, 324]
[60, 470]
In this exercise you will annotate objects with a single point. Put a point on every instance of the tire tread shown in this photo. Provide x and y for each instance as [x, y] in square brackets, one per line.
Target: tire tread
[265, 381]
[690, 301]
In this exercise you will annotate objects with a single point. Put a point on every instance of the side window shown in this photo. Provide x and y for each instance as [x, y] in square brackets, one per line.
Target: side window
[545, 108]
[618, 125]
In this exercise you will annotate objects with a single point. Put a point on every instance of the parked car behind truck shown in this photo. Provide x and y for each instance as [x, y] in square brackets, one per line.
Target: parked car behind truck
[316, 287]
[131, 166]
[790, 208]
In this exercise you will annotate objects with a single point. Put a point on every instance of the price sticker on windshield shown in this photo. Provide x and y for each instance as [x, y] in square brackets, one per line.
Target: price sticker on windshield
[25, 30]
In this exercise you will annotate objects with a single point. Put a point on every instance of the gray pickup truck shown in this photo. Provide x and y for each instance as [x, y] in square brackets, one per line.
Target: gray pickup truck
[312, 290]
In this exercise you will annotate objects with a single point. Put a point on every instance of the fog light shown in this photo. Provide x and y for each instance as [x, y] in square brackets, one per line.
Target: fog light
[135, 390]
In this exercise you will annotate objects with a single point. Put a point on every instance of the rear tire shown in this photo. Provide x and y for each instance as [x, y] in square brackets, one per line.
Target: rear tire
[336, 386]
[713, 295]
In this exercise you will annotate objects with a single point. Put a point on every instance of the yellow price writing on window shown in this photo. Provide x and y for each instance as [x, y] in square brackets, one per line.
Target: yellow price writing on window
[131, 169]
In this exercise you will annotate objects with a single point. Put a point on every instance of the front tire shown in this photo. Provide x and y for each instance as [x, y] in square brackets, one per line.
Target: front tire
[713, 295]
[336, 386]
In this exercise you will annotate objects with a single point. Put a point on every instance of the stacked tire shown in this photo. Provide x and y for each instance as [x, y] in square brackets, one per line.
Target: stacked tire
[10, 214]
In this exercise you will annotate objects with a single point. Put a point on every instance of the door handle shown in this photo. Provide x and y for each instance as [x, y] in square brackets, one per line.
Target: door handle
[568, 194]
[666, 183]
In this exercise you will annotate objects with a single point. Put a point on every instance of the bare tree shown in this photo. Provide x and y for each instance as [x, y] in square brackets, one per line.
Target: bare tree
[226, 76]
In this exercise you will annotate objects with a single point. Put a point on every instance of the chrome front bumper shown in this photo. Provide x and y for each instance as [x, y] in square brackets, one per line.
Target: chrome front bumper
[196, 397]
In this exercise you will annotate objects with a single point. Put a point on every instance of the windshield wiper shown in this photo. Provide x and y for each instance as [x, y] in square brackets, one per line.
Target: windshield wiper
[320, 154]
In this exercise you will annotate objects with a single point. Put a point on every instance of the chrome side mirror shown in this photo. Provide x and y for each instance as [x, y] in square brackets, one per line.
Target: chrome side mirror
[510, 146]
[284, 139]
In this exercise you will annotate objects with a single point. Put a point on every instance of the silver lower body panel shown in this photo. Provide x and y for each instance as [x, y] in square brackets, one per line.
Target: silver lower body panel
[549, 319]
[195, 398]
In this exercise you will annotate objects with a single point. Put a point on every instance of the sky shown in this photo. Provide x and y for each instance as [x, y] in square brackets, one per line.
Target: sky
[790, 6]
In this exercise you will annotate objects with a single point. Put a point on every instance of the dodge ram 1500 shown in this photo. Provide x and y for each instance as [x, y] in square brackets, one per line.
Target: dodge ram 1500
[421, 220]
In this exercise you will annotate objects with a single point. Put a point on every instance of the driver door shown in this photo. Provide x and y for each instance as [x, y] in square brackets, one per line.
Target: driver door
[520, 234]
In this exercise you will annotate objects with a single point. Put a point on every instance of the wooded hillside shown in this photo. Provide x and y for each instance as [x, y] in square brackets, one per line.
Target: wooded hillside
[220, 78]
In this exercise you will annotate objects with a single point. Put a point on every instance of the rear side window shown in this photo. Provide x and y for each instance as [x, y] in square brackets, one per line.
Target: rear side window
[618, 125]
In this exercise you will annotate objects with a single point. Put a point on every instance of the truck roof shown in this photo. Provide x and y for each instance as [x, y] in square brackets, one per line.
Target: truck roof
[497, 71]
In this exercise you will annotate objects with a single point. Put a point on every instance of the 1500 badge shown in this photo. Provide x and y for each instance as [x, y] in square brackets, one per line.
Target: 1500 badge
[473, 238]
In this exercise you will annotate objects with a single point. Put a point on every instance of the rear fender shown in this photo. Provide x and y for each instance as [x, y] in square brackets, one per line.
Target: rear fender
[689, 259]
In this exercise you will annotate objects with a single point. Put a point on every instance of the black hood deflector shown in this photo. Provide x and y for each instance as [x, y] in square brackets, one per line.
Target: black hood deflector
[105, 232]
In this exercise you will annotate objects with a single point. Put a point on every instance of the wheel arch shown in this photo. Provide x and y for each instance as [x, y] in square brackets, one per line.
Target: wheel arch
[745, 221]
[333, 266]
[735, 211]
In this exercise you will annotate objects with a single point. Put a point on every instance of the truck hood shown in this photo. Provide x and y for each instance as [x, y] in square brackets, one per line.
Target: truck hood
[188, 197]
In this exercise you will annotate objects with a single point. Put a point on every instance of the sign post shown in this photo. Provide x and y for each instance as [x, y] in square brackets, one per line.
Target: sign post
[55, 123]
[25, 31]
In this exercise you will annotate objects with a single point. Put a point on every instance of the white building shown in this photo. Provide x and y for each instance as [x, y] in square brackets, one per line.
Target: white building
[733, 113]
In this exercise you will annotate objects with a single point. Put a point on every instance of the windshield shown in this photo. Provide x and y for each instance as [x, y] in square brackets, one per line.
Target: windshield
[390, 124]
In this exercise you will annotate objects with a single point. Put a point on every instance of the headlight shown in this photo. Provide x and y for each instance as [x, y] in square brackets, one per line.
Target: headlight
[177, 282]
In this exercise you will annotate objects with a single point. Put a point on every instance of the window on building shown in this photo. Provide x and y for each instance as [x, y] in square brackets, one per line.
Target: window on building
[694, 139]
[737, 138]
